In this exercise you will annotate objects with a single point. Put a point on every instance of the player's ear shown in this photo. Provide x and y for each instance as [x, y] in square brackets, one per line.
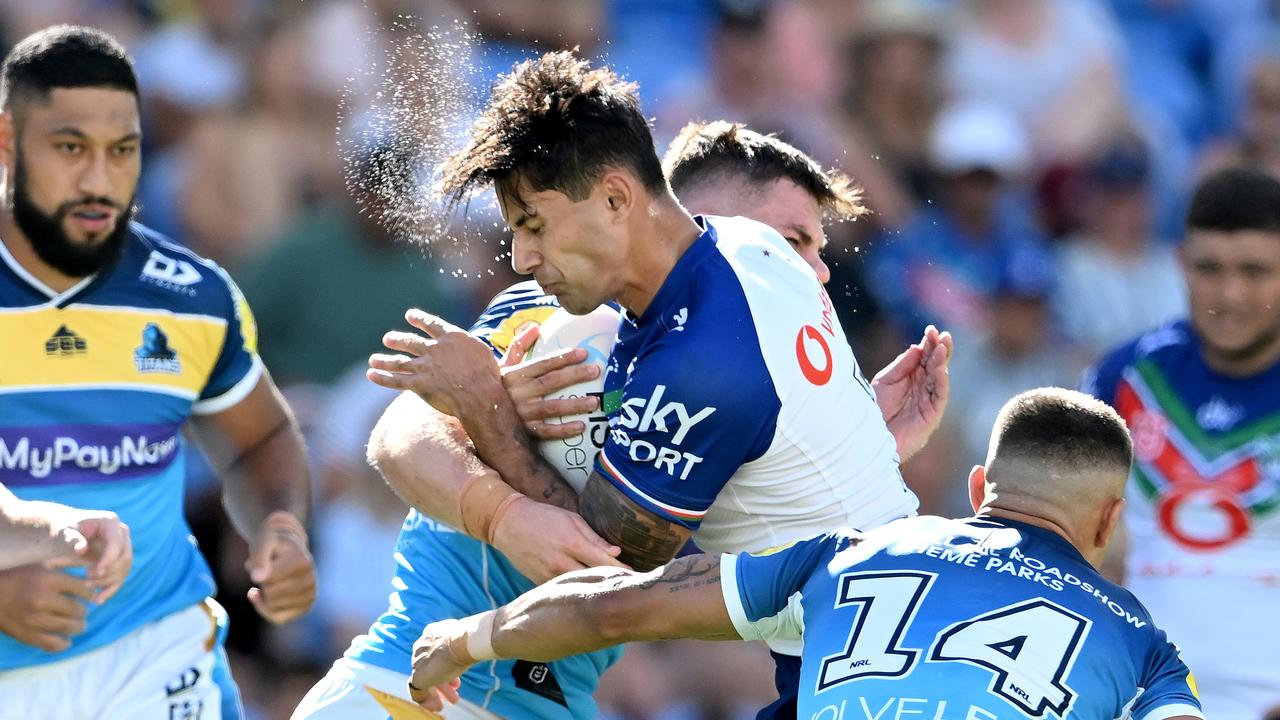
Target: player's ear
[1110, 521]
[977, 486]
[619, 192]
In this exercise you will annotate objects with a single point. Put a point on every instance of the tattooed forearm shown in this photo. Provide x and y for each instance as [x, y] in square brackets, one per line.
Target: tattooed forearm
[647, 541]
[686, 573]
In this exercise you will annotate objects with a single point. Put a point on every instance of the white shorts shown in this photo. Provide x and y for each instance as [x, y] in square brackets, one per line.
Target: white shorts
[168, 669]
[353, 690]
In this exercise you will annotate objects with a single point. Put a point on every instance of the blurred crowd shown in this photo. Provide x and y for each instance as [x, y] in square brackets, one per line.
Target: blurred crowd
[1027, 161]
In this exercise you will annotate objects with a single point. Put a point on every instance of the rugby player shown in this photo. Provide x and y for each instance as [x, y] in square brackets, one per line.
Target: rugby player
[115, 338]
[615, 148]
[719, 167]
[1202, 396]
[1000, 615]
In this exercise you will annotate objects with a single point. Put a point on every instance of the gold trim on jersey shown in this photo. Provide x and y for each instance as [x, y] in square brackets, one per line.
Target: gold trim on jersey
[90, 345]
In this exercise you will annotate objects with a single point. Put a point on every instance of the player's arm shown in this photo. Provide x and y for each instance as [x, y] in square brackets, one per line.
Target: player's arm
[257, 449]
[580, 612]
[429, 461]
[36, 532]
[647, 539]
[253, 441]
[429, 458]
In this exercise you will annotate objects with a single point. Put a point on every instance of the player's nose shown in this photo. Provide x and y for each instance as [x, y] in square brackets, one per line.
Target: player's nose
[819, 267]
[524, 257]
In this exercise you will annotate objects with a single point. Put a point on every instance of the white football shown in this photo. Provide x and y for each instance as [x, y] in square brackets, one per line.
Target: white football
[595, 332]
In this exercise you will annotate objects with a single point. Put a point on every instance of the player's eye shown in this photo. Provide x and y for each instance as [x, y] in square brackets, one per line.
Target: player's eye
[124, 150]
[69, 148]
[1255, 272]
[795, 242]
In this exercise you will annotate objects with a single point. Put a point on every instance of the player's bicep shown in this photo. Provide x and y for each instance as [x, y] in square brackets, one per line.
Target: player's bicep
[647, 541]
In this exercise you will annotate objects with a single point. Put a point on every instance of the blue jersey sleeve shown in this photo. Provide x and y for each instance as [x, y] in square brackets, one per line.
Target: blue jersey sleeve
[692, 411]
[509, 312]
[237, 370]
[1170, 687]
[760, 585]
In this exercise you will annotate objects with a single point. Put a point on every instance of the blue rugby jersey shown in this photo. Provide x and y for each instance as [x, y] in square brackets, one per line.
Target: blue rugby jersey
[96, 384]
[442, 573]
[979, 618]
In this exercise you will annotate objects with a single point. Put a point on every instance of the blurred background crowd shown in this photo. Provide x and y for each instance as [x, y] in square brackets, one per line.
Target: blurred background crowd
[1027, 161]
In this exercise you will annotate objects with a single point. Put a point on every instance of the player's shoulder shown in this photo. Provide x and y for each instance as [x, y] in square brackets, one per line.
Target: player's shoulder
[156, 271]
[1162, 345]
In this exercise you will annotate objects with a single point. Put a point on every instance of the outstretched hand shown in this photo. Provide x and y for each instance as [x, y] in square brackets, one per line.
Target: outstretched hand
[912, 391]
[448, 368]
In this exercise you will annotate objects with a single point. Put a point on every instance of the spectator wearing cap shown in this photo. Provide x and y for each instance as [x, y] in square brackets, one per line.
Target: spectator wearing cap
[1116, 279]
[1020, 350]
[941, 267]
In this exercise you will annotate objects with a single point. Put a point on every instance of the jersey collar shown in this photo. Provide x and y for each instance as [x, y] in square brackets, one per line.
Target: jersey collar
[35, 284]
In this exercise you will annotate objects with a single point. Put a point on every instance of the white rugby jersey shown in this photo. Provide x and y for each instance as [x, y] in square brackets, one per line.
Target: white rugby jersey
[736, 407]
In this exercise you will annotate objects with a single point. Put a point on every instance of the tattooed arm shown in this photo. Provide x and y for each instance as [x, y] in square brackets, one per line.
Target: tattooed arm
[647, 541]
[579, 612]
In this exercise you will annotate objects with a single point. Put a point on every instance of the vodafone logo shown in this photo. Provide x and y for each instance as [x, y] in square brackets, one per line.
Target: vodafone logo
[816, 373]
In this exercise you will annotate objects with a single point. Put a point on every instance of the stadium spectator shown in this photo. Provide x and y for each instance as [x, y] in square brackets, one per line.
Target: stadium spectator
[1258, 142]
[1117, 279]
[1053, 63]
[346, 253]
[1019, 350]
[941, 267]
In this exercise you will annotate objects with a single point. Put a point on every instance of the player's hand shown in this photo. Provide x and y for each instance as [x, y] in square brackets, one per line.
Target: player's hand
[282, 570]
[43, 606]
[912, 391]
[528, 382]
[101, 541]
[436, 668]
[544, 541]
[448, 368]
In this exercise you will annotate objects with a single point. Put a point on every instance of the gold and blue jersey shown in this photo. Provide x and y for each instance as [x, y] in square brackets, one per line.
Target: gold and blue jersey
[96, 384]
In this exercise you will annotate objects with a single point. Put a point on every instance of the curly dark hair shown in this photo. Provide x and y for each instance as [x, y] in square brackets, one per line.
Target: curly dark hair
[557, 123]
[707, 153]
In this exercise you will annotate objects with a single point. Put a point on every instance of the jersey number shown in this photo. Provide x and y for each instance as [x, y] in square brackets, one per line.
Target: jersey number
[1029, 647]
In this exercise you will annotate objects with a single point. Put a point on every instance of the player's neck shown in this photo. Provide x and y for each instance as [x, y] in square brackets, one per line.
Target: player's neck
[1006, 513]
[24, 253]
[664, 235]
[1242, 366]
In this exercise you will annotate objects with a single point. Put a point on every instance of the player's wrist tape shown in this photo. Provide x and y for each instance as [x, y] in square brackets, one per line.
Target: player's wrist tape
[475, 642]
[284, 521]
[479, 503]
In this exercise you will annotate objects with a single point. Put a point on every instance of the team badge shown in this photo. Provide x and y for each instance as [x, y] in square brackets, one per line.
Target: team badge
[155, 355]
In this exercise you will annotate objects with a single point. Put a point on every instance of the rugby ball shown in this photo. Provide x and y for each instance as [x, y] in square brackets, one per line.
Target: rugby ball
[595, 332]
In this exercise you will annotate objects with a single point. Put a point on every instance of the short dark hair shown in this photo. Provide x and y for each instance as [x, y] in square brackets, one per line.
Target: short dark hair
[64, 56]
[558, 123]
[1235, 199]
[708, 153]
[1062, 429]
